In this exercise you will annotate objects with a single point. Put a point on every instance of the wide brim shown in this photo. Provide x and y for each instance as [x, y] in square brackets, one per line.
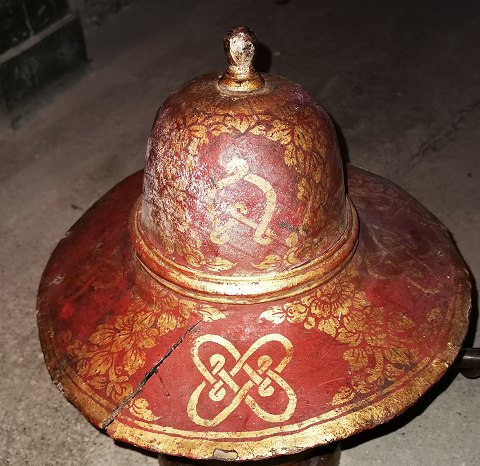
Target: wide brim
[245, 382]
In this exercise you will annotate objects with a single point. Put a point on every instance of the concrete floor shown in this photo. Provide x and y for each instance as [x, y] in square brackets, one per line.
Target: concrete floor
[401, 80]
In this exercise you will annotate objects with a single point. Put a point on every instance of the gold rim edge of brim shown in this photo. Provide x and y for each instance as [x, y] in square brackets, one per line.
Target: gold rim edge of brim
[66, 380]
[350, 424]
[320, 434]
[330, 431]
[281, 443]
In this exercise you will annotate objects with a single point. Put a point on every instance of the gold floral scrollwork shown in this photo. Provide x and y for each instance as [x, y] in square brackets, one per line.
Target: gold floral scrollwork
[304, 150]
[296, 253]
[195, 257]
[378, 351]
[118, 349]
[139, 408]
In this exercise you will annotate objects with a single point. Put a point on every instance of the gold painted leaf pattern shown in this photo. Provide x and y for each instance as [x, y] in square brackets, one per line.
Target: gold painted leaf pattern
[166, 323]
[296, 312]
[344, 395]
[104, 335]
[299, 249]
[393, 372]
[118, 390]
[357, 358]
[133, 360]
[99, 382]
[117, 350]
[140, 408]
[101, 362]
[309, 322]
[217, 264]
[398, 355]
[292, 240]
[329, 326]
[298, 132]
[210, 313]
[400, 322]
[339, 309]
[269, 262]
[276, 315]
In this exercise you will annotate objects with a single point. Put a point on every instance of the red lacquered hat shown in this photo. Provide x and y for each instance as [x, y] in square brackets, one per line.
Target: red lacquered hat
[249, 302]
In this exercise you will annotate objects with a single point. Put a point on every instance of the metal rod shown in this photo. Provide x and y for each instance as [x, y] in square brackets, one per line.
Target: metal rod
[469, 362]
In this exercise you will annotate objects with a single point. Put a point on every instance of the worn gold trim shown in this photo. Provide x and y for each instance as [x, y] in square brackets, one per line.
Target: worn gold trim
[95, 408]
[316, 431]
[282, 442]
[244, 289]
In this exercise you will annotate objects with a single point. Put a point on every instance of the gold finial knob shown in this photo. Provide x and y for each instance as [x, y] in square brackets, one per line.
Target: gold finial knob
[240, 76]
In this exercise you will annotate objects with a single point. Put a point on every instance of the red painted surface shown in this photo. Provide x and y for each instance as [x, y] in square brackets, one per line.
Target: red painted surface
[383, 322]
[238, 307]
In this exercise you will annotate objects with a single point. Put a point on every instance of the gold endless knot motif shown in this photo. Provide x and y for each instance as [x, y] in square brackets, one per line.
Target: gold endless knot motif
[263, 381]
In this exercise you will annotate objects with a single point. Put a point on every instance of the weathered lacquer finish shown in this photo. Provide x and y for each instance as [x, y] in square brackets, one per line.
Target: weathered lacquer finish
[242, 306]
[274, 377]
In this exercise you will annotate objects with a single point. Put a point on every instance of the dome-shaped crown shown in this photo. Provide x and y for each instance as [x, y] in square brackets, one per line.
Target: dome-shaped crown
[243, 192]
